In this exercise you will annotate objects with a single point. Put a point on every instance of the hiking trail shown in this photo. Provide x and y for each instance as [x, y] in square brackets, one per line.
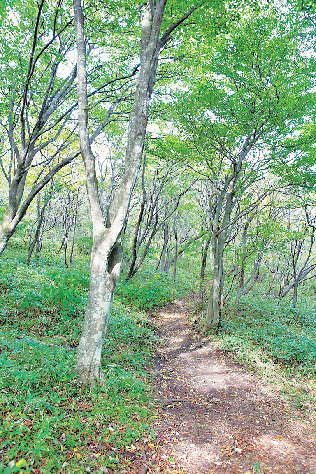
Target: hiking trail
[216, 416]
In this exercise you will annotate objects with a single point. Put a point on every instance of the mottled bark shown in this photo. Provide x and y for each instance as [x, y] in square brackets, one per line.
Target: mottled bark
[104, 273]
[40, 220]
[106, 251]
[205, 249]
[6, 230]
[218, 239]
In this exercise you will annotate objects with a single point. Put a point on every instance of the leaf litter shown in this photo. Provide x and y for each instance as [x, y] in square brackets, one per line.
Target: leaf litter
[214, 415]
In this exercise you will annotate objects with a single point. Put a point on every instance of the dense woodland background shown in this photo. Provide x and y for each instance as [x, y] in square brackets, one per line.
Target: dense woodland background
[224, 206]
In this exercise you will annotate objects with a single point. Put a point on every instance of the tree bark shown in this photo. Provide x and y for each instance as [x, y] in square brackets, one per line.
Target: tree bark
[205, 249]
[40, 220]
[219, 235]
[106, 250]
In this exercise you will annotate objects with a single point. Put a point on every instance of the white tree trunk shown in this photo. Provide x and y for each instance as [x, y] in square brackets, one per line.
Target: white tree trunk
[220, 232]
[213, 306]
[106, 251]
[102, 285]
[8, 225]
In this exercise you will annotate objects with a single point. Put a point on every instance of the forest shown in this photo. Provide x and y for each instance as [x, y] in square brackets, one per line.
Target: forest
[157, 236]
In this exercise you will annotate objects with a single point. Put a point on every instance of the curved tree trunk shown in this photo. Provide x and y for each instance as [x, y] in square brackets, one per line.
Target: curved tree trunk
[106, 250]
[101, 290]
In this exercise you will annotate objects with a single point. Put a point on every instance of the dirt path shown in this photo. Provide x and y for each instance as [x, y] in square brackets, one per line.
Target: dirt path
[216, 417]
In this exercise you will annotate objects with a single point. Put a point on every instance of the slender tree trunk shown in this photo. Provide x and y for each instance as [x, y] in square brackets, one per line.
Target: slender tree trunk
[41, 215]
[146, 249]
[164, 249]
[295, 287]
[221, 288]
[135, 241]
[213, 307]
[106, 250]
[205, 250]
[219, 235]
[242, 274]
[175, 260]
[243, 253]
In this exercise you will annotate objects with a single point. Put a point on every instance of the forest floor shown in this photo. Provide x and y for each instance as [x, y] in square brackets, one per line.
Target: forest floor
[215, 415]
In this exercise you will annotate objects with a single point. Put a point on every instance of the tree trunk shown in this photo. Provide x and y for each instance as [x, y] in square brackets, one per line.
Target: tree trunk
[131, 271]
[175, 260]
[164, 248]
[101, 290]
[213, 306]
[299, 279]
[294, 302]
[106, 251]
[205, 250]
[40, 219]
[219, 236]
[7, 228]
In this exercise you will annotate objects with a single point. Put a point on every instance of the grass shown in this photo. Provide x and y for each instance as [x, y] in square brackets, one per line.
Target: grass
[147, 289]
[276, 340]
[49, 421]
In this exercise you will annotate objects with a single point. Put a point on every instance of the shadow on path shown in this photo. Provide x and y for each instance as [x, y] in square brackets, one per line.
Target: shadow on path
[217, 417]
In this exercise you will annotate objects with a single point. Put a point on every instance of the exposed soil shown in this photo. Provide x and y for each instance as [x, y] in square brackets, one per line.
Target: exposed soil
[215, 415]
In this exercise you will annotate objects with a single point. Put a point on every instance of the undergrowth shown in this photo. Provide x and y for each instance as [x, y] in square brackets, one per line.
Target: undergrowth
[276, 339]
[287, 335]
[147, 289]
[49, 421]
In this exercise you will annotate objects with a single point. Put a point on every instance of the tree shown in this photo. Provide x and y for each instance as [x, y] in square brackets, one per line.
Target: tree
[301, 262]
[253, 89]
[38, 101]
[106, 250]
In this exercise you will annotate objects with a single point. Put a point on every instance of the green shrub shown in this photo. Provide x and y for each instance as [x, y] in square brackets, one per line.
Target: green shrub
[287, 335]
[50, 422]
[148, 289]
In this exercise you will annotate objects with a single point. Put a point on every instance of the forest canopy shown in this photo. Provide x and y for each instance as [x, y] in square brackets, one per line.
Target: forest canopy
[148, 150]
